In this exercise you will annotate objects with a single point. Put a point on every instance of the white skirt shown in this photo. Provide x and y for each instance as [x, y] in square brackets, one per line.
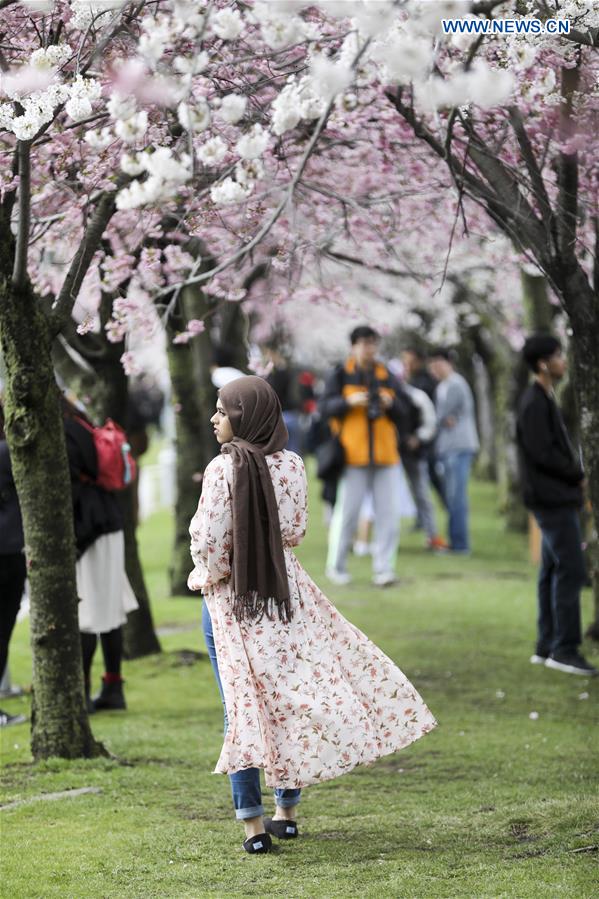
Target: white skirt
[103, 588]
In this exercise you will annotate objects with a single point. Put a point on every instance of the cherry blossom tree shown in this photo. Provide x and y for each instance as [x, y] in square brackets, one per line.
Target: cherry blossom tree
[98, 136]
[275, 133]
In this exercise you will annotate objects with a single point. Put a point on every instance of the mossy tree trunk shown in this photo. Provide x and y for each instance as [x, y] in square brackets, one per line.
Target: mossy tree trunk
[35, 435]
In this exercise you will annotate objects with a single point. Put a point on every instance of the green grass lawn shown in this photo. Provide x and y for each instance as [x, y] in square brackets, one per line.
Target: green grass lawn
[493, 803]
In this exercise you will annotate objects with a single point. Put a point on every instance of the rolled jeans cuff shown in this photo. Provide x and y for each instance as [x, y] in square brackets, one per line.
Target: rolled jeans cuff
[287, 801]
[254, 812]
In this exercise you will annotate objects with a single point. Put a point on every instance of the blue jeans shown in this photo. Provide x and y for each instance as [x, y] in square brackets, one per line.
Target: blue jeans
[245, 784]
[293, 423]
[561, 577]
[456, 471]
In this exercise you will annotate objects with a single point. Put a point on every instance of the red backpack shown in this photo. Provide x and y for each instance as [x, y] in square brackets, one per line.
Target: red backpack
[116, 466]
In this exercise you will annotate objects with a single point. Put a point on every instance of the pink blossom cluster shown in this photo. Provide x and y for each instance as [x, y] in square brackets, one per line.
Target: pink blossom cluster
[267, 132]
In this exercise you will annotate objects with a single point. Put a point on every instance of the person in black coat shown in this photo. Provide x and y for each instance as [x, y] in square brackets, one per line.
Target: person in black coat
[105, 595]
[416, 374]
[13, 570]
[552, 481]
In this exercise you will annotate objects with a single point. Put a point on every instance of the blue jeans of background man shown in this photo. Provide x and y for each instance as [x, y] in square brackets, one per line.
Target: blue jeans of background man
[456, 472]
[245, 784]
[561, 577]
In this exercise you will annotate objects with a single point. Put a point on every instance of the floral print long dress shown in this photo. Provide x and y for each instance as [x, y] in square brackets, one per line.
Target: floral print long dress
[309, 700]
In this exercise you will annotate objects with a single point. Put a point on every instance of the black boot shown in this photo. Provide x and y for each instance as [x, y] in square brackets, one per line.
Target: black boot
[111, 696]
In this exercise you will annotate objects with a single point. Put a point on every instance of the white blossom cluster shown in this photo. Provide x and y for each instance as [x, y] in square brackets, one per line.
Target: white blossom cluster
[280, 27]
[165, 173]
[82, 92]
[44, 6]
[130, 124]
[481, 85]
[84, 13]
[585, 13]
[38, 88]
[295, 102]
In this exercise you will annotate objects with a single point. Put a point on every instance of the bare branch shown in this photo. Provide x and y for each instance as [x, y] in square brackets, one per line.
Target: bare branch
[497, 191]
[536, 178]
[589, 38]
[90, 242]
[19, 272]
[354, 260]
[485, 7]
[567, 168]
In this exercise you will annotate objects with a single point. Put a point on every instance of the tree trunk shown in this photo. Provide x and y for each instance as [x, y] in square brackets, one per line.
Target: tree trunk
[585, 355]
[35, 435]
[486, 462]
[234, 328]
[194, 397]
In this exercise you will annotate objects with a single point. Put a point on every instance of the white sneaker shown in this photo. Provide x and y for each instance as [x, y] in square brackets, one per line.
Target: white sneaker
[537, 660]
[384, 579]
[341, 578]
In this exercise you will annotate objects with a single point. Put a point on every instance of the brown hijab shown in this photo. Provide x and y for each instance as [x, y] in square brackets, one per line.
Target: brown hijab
[259, 572]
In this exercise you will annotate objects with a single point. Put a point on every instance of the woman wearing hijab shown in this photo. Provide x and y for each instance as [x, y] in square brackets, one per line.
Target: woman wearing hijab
[307, 696]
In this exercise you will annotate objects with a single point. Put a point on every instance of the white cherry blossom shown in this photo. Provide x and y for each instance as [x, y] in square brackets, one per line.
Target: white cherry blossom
[232, 108]
[194, 118]
[132, 129]
[286, 109]
[78, 108]
[212, 152]
[253, 144]
[329, 77]
[120, 107]
[162, 164]
[132, 164]
[228, 192]
[248, 171]
[99, 140]
[227, 24]
[191, 65]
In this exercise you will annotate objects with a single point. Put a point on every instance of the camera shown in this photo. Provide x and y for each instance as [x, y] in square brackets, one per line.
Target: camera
[374, 410]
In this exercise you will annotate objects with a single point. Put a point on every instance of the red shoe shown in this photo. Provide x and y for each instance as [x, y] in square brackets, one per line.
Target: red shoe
[437, 544]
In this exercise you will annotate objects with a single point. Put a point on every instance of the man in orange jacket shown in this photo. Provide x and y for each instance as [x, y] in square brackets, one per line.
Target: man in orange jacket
[367, 407]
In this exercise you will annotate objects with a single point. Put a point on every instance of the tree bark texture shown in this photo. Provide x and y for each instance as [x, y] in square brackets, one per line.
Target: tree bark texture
[584, 316]
[35, 435]
[194, 397]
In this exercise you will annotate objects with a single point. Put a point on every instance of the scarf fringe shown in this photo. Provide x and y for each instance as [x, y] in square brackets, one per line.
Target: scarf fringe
[251, 606]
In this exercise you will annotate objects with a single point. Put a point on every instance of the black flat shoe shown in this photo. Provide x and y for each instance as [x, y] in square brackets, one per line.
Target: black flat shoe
[284, 830]
[260, 843]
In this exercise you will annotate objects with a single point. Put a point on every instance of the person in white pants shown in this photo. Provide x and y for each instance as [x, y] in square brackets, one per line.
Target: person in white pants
[367, 408]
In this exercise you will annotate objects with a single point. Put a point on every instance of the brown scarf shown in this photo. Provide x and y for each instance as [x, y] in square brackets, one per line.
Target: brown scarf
[259, 572]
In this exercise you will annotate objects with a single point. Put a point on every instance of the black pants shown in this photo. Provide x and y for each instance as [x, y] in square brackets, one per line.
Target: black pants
[112, 650]
[561, 578]
[13, 572]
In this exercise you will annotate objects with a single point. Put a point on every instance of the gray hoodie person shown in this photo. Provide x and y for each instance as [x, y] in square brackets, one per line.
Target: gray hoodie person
[454, 400]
